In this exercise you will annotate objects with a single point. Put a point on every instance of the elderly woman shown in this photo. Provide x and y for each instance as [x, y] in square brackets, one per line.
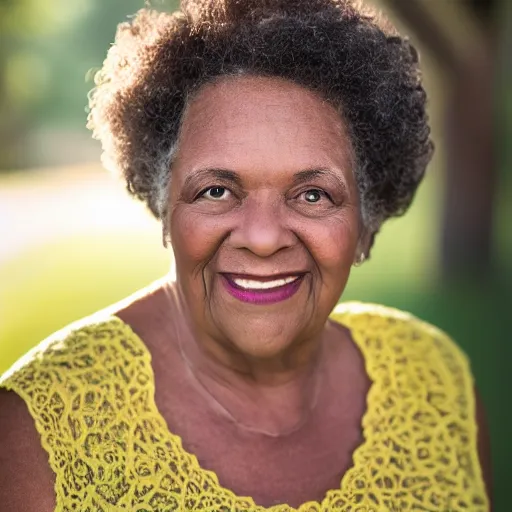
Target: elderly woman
[272, 138]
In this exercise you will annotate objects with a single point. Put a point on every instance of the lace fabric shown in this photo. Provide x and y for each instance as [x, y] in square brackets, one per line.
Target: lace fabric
[90, 390]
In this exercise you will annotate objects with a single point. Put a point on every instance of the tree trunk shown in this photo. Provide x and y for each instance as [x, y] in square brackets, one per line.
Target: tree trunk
[470, 179]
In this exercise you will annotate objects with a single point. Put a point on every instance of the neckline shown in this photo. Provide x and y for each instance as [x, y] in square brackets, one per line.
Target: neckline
[211, 476]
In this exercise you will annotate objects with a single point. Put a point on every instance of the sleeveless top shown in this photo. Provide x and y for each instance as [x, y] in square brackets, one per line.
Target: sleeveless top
[90, 390]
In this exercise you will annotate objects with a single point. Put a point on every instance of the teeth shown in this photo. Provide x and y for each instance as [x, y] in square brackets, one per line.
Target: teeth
[249, 284]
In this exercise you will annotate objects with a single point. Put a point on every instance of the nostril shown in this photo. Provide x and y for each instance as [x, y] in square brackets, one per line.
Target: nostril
[262, 234]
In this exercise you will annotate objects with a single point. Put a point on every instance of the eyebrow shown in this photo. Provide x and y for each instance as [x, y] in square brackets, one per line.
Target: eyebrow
[298, 178]
[309, 174]
[221, 174]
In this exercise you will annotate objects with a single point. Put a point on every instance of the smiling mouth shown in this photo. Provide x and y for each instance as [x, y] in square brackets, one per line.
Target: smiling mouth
[262, 283]
[262, 290]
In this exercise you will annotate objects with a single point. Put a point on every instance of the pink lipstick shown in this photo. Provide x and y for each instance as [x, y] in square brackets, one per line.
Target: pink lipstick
[261, 296]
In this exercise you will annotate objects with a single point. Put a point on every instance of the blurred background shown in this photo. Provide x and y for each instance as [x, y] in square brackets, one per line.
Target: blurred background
[72, 242]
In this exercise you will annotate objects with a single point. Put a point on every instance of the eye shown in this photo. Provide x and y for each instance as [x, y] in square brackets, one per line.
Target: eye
[314, 195]
[216, 193]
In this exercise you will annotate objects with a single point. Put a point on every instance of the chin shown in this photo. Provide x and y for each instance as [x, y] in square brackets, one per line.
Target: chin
[264, 338]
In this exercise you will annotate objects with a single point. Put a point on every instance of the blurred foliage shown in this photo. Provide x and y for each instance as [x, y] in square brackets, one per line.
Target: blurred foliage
[18, 17]
[46, 50]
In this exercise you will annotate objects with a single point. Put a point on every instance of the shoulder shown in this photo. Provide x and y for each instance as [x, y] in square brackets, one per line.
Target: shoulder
[371, 315]
[55, 375]
[402, 332]
[103, 332]
[411, 352]
[82, 345]
[38, 398]
[427, 356]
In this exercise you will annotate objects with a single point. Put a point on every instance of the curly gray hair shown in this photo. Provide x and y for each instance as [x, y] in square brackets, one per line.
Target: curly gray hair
[343, 51]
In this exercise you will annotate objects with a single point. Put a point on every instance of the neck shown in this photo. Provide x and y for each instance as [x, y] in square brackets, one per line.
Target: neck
[274, 397]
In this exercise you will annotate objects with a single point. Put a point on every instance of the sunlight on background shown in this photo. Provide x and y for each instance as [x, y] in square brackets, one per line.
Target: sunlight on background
[72, 241]
[68, 201]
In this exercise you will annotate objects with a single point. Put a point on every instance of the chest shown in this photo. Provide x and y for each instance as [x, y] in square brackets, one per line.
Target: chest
[293, 469]
[410, 455]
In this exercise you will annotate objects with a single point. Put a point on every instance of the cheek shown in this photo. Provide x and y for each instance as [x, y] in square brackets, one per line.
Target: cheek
[195, 238]
[333, 245]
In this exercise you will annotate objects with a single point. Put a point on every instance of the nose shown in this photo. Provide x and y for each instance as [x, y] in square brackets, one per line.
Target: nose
[261, 228]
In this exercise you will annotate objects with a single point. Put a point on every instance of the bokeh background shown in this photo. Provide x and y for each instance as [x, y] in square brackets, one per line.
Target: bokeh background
[72, 242]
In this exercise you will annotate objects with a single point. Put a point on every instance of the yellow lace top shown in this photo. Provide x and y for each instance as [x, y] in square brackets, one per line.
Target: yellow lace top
[91, 391]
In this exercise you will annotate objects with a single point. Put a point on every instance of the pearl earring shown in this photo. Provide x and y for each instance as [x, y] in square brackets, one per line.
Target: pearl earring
[360, 260]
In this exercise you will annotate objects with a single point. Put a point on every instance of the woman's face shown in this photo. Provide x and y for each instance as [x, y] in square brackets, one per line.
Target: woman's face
[263, 214]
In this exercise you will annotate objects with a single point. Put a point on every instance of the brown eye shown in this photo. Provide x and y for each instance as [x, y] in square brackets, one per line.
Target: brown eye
[216, 193]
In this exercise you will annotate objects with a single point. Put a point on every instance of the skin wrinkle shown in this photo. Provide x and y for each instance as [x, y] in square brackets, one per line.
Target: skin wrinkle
[343, 50]
[271, 112]
[365, 240]
[278, 446]
[261, 232]
[205, 287]
[206, 118]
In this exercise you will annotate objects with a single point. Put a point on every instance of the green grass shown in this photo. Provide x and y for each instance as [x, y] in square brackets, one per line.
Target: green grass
[51, 286]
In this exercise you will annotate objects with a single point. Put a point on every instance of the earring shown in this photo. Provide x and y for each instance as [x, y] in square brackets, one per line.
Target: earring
[360, 260]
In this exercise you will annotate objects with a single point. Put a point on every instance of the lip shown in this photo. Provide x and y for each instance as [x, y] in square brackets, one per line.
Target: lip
[262, 297]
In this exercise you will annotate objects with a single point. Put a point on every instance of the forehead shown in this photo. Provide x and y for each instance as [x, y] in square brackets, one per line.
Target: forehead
[256, 122]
